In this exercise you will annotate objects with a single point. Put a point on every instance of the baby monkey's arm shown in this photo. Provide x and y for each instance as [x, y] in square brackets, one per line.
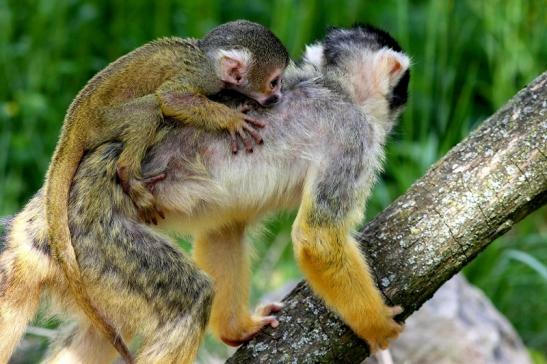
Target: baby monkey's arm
[185, 103]
[137, 122]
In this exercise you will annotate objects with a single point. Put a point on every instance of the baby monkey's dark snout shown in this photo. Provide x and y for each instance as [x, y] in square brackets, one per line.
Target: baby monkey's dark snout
[272, 100]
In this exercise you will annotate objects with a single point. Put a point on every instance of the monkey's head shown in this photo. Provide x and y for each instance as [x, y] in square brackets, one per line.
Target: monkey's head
[369, 65]
[248, 58]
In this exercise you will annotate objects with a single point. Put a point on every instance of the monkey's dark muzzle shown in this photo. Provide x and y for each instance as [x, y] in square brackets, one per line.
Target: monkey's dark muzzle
[272, 100]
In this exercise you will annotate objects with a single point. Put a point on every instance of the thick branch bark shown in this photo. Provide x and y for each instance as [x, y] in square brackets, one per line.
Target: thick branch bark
[485, 184]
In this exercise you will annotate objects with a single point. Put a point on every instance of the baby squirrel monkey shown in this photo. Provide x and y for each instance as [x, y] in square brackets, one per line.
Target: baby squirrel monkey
[169, 77]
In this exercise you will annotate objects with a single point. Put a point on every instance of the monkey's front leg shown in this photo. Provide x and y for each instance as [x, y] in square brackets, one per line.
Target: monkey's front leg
[336, 270]
[224, 256]
[199, 111]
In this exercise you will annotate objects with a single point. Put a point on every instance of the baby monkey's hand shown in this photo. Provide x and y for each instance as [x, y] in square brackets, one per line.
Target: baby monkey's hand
[242, 125]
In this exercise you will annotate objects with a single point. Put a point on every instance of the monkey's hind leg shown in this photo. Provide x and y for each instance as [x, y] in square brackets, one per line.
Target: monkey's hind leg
[178, 336]
[81, 344]
[160, 294]
[176, 341]
[335, 268]
[224, 256]
[136, 123]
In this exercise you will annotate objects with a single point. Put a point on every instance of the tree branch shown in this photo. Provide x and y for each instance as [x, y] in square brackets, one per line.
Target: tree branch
[484, 185]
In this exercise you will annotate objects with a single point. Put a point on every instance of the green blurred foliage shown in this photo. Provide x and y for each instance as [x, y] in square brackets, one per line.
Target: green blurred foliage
[469, 57]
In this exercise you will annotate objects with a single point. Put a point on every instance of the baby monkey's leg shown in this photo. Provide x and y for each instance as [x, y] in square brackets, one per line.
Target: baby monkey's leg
[224, 256]
[337, 271]
[136, 123]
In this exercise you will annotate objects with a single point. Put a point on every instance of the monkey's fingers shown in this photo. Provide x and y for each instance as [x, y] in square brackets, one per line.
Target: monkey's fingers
[233, 142]
[246, 140]
[150, 182]
[270, 320]
[265, 310]
[255, 122]
[396, 310]
[256, 136]
[152, 218]
[123, 178]
[244, 108]
[383, 343]
[148, 218]
[149, 214]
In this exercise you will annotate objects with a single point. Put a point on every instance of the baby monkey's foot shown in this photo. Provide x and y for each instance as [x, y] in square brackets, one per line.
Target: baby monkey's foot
[240, 126]
[382, 331]
[140, 192]
[262, 318]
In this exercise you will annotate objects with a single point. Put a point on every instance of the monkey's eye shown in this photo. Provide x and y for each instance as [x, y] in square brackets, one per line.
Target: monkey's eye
[274, 82]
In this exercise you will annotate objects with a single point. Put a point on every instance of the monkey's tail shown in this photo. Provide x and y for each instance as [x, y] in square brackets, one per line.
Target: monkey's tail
[62, 169]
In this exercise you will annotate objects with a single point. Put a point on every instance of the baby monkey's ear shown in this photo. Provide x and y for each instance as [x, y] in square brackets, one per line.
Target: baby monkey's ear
[391, 66]
[234, 65]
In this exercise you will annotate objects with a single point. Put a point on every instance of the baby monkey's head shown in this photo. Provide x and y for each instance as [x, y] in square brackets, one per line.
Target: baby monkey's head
[369, 65]
[248, 58]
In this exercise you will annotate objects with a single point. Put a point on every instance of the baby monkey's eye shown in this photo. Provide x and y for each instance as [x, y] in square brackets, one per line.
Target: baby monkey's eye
[274, 82]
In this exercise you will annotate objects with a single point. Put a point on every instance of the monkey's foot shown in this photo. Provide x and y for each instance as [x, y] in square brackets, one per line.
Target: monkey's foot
[240, 125]
[140, 192]
[378, 331]
[261, 319]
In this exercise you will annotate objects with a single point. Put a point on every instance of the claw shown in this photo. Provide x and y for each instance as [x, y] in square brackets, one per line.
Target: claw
[254, 134]
[233, 142]
[246, 141]
[121, 172]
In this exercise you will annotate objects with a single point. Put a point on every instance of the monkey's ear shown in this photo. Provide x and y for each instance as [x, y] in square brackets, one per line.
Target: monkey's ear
[392, 65]
[314, 55]
[234, 64]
